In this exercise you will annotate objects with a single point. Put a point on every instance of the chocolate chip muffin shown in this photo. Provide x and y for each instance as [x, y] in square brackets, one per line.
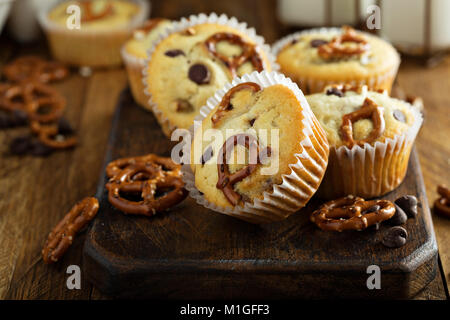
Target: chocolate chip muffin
[320, 57]
[197, 57]
[285, 150]
[370, 135]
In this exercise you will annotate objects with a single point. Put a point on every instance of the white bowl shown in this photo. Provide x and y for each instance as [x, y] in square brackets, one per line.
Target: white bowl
[5, 7]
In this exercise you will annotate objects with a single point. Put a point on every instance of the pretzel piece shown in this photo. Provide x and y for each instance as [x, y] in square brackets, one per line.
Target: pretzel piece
[335, 49]
[115, 167]
[33, 68]
[62, 236]
[369, 109]
[227, 180]
[88, 14]
[352, 213]
[248, 54]
[225, 105]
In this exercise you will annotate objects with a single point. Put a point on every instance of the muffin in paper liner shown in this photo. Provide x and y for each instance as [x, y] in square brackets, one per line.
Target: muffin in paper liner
[317, 76]
[262, 48]
[301, 180]
[89, 47]
[135, 65]
[373, 169]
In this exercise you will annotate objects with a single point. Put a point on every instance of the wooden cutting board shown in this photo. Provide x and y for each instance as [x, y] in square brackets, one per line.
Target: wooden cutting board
[192, 252]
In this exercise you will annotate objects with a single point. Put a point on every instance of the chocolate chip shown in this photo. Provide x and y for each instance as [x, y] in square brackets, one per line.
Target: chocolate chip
[174, 53]
[207, 155]
[317, 43]
[64, 127]
[409, 205]
[399, 116]
[199, 73]
[372, 209]
[335, 91]
[399, 217]
[184, 106]
[20, 145]
[252, 121]
[294, 41]
[39, 149]
[395, 237]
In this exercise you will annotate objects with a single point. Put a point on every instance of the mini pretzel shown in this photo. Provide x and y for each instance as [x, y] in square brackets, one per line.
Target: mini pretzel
[369, 109]
[233, 63]
[352, 213]
[227, 180]
[335, 49]
[55, 106]
[48, 134]
[166, 164]
[61, 237]
[88, 13]
[31, 68]
[442, 204]
[225, 104]
[154, 179]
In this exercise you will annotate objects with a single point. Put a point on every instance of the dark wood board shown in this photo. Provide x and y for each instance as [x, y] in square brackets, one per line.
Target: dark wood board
[192, 252]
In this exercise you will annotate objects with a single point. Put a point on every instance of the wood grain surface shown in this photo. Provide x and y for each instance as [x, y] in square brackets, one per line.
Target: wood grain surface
[35, 193]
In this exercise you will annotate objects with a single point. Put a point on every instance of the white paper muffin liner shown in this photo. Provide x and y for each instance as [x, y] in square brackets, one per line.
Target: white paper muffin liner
[194, 20]
[317, 85]
[49, 25]
[371, 170]
[294, 191]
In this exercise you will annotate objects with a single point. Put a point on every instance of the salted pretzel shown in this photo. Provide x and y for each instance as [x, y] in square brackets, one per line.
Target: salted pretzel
[62, 236]
[335, 49]
[166, 164]
[146, 180]
[369, 109]
[249, 52]
[227, 180]
[48, 134]
[352, 213]
[33, 68]
[225, 104]
[88, 14]
[442, 204]
[53, 109]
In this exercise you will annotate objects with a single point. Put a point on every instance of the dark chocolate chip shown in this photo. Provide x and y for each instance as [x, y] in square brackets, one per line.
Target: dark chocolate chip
[294, 41]
[207, 155]
[335, 91]
[64, 127]
[174, 53]
[372, 209]
[399, 217]
[199, 73]
[230, 107]
[399, 116]
[20, 145]
[252, 121]
[39, 149]
[317, 43]
[409, 205]
[395, 237]
[184, 106]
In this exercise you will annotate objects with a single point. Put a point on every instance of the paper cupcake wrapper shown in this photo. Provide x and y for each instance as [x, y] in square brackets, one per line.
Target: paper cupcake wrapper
[377, 81]
[371, 170]
[194, 20]
[135, 22]
[294, 191]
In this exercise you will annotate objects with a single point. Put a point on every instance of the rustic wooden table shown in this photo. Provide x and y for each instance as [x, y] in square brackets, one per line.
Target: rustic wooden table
[36, 192]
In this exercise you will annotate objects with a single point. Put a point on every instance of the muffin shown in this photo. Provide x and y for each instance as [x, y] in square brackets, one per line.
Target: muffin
[104, 27]
[268, 155]
[196, 58]
[370, 136]
[134, 53]
[320, 57]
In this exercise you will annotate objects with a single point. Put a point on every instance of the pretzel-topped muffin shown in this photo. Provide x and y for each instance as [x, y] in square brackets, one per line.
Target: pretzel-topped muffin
[370, 135]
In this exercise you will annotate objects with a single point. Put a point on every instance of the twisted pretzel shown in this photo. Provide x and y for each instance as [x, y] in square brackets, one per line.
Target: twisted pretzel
[442, 204]
[233, 63]
[32, 68]
[49, 135]
[335, 49]
[369, 109]
[88, 13]
[166, 164]
[225, 104]
[352, 213]
[227, 180]
[61, 237]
